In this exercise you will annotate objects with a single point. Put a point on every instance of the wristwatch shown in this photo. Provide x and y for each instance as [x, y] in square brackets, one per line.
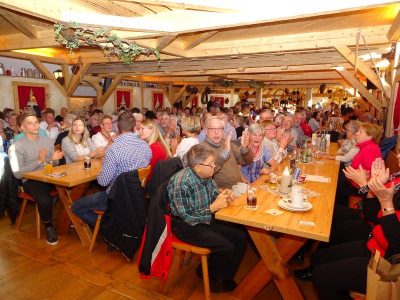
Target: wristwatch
[387, 210]
[364, 189]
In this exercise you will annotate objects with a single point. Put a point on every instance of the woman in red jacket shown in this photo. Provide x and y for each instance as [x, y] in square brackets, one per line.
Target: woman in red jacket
[367, 137]
[342, 268]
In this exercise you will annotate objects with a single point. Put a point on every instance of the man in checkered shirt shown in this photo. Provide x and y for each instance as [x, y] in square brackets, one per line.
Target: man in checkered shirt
[127, 153]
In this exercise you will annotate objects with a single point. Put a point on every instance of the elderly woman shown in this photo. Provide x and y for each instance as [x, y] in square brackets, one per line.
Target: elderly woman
[78, 145]
[262, 155]
[150, 132]
[277, 148]
[190, 129]
[348, 149]
[367, 138]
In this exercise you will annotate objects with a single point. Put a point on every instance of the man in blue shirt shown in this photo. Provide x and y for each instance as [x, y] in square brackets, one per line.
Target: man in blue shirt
[127, 153]
[194, 197]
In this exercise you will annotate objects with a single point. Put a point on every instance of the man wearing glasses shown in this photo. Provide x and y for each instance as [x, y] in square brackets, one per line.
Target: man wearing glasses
[228, 155]
[194, 197]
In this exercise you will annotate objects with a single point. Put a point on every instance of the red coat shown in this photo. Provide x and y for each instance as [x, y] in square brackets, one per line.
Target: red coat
[369, 151]
[378, 239]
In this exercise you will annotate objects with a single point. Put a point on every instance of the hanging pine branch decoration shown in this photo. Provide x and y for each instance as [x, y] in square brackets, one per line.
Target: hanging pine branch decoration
[73, 37]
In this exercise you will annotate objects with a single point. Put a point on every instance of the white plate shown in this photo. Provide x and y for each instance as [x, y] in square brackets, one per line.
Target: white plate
[283, 204]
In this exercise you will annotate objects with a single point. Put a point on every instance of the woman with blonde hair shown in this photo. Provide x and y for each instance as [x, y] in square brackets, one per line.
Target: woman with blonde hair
[150, 132]
[77, 144]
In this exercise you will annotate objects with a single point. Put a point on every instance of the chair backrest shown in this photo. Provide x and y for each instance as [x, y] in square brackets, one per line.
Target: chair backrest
[143, 174]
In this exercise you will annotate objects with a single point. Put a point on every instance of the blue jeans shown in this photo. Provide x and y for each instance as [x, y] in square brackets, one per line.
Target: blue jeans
[84, 207]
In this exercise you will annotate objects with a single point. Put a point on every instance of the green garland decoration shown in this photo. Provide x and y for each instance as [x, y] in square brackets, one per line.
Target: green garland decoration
[74, 36]
[256, 84]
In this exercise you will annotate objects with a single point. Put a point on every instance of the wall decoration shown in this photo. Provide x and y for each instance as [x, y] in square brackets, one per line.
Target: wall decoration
[29, 96]
[157, 100]
[123, 99]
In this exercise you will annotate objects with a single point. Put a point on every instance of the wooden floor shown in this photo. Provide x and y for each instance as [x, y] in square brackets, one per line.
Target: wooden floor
[30, 269]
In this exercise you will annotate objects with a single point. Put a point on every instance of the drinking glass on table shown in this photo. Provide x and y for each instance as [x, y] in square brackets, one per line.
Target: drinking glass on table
[48, 167]
[87, 163]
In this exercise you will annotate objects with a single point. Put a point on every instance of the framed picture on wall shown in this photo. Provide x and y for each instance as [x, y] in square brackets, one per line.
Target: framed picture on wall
[157, 100]
[123, 99]
[30, 96]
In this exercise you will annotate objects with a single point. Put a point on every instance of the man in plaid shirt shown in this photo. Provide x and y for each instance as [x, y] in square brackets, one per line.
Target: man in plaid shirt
[194, 197]
[127, 153]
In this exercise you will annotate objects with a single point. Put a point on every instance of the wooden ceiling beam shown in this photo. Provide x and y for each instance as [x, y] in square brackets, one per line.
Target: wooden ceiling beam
[350, 78]
[48, 75]
[365, 69]
[66, 75]
[177, 95]
[197, 39]
[313, 40]
[77, 78]
[115, 82]
[164, 41]
[21, 23]
[21, 41]
[394, 30]
[185, 5]
[25, 56]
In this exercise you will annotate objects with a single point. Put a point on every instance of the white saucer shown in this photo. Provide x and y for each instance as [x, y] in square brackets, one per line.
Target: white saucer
[285, 205]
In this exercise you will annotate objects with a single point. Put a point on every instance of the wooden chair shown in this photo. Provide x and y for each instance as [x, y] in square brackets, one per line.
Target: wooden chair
[25, 198]
[143, 174]
[183, 247]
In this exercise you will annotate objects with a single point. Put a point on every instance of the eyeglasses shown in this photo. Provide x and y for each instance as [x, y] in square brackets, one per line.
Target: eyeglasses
[270, 128]
[211, 165]
[216, 128]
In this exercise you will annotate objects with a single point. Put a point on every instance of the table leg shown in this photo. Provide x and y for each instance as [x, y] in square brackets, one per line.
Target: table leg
[67, 197]
[285, 247]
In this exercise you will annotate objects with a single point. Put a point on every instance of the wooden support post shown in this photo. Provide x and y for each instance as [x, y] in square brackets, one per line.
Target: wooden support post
[259, 92]
[66, 75]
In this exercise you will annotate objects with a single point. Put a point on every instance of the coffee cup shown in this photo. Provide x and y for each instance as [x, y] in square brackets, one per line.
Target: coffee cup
[297, 199]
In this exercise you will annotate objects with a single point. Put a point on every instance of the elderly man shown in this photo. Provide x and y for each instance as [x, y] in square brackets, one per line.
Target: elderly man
[164, 126]
[266, 115]
[193, 197]
[138, 119]
[228, 155]
[49, 124]
[104, 138]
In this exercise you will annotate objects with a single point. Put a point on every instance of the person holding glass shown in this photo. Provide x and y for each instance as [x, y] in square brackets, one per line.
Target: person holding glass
[77, 145]
[29, 154]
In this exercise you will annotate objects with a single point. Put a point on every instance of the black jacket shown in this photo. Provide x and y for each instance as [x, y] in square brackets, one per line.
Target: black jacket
[158, 208]
[9, 189]
[124, 219]
[163, 171]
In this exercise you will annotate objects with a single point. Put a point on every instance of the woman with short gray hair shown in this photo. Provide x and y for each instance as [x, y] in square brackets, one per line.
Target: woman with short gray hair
[348, 149]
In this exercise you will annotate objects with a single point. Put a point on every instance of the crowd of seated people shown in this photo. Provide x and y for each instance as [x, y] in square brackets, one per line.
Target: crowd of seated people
[219, 147]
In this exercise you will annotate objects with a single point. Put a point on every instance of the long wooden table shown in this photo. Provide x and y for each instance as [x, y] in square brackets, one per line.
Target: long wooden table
[70, 187]
[276, 249]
